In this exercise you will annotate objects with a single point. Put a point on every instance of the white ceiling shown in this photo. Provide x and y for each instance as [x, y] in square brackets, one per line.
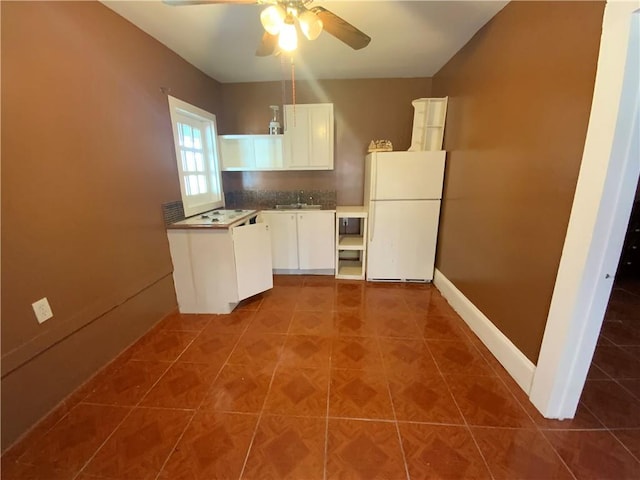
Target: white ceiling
[409, 38]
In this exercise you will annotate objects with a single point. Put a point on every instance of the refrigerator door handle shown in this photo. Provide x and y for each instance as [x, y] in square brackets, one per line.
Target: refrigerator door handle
[372, 219]
[374, 194]
[374, 176]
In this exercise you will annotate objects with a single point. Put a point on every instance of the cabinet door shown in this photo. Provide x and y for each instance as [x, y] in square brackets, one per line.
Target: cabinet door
[321, 136]
[316, 240]
[308, 136]
[284, 239]
[296, 136]
[252, 252]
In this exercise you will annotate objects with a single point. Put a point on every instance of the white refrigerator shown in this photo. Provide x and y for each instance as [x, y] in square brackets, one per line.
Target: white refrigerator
[402, 191]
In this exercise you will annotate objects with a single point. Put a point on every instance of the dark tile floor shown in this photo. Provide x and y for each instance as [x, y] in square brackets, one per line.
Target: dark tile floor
[320, 378]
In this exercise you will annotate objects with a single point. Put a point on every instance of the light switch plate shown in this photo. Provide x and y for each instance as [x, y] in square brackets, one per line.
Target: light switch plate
[42, 310]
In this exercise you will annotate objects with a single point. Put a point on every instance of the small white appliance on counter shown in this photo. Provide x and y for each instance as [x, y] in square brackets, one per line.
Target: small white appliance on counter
[403, 192]
[219, 258]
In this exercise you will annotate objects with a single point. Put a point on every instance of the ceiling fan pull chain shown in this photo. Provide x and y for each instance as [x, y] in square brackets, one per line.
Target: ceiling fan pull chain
[293, 89]
[284, 91]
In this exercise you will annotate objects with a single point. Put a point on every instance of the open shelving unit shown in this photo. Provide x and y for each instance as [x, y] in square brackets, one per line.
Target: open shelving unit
[428, 123]
[351, 242]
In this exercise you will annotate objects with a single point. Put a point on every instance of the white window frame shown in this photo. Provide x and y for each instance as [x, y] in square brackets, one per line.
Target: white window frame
[214, 198]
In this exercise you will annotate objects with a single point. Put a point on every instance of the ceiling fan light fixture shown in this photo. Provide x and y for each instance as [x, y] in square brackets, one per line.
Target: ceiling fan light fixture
[273, 18]
[310, 24]
[288, 38]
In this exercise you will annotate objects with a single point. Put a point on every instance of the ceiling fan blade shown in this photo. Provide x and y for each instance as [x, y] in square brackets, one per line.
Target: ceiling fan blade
[341, 29]
[177, 3]
[267, 45]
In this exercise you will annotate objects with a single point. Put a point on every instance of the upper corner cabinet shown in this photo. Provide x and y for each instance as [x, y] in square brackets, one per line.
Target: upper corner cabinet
[308, 136]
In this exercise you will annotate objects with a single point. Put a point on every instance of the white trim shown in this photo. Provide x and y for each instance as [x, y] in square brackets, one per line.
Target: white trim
[513, 360]
[214, 198]
[599, 216]
[287, 271]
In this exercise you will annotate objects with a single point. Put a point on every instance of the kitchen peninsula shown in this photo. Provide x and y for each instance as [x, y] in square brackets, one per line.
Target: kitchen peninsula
[219, 258]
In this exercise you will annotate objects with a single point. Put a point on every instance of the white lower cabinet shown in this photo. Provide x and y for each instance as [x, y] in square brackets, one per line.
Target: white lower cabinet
[213, 269]
[302, 242]
[283, 227]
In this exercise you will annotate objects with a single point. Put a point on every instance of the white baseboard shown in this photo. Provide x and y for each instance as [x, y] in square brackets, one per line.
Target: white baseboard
[512, 359]
[287, 271]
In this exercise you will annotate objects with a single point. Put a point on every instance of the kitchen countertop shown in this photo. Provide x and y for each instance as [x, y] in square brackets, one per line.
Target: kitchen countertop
[288, 210]
[217, 219]
[221, 219]
[352, 211]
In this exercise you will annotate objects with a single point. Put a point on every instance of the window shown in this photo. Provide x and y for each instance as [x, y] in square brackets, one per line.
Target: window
[196, 141]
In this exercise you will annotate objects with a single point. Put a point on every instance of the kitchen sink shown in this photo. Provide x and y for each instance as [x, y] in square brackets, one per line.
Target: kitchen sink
[298, 206]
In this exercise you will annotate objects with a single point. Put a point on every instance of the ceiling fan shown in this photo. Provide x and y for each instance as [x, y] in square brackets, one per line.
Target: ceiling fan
[281, 17]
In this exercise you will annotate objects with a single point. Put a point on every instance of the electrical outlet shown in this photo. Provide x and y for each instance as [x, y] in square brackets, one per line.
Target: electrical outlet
[42, 310]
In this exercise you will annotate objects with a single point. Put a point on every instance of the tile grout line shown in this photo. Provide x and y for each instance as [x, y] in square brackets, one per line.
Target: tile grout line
[617, 381]
[80, 400]
[132, 409]
[612, 432]
[495, 369]
[464, 419]
[514, 397]
[393, 408]
[197, 409]
[266, 397]
[326, 423]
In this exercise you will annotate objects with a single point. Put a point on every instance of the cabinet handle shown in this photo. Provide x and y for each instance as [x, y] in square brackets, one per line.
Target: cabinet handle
[372, 221]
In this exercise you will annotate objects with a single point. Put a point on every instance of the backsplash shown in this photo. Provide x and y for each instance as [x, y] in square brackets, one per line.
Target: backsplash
[172, 212]
[258, 200]
[264, 199]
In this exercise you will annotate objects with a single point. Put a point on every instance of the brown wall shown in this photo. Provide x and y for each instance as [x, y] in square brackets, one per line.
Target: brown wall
[87, 160]
[363, 110]
[520, 95]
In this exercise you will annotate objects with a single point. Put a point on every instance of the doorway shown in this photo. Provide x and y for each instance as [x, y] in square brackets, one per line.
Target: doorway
[612, 390]
[602, 204]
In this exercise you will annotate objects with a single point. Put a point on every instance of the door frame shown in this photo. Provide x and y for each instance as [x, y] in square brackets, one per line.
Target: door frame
[599, 217]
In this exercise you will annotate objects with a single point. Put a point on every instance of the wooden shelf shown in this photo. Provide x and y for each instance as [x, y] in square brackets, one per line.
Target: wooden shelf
[350, 242]
[350, 269]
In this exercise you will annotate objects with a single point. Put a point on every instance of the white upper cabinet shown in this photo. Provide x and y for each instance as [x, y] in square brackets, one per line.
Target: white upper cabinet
[251, 152]
[308, 136]
[307, 143]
